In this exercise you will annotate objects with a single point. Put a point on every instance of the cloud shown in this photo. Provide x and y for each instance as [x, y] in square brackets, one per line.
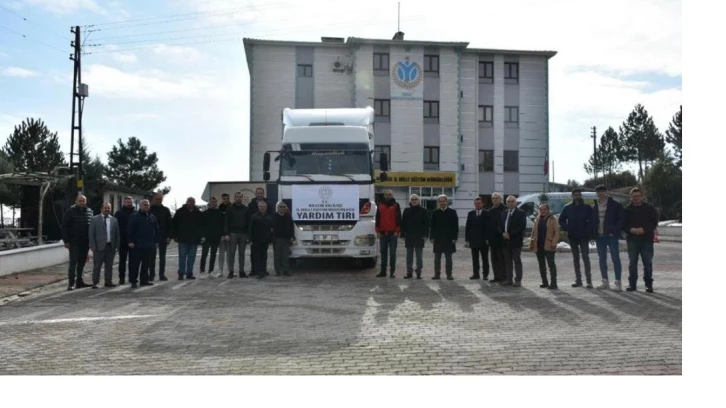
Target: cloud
[149, 84]
[177, 52]
[17, 72]
[125, 57]
[3, 55]
[66, 6]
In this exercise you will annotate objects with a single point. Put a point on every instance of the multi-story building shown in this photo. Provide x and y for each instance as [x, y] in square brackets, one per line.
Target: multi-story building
[454, 120]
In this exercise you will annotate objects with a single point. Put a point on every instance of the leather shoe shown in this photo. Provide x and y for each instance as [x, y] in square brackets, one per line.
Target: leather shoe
[474, 277]
[70, 287]
[147, 284]
[163, 278]
[82, 284]
[95, 286]
[109, 285]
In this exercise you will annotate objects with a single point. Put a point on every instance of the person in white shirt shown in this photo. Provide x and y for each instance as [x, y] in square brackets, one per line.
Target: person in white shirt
[104, 240]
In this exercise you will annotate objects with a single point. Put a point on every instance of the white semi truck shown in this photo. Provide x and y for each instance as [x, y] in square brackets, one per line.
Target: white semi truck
[326, 179]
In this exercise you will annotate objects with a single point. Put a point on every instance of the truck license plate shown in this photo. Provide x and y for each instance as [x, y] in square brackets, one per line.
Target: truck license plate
[325, 237]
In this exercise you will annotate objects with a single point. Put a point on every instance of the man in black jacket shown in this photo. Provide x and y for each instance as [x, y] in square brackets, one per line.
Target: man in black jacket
[476, 238]
[284, 230]
[75, 238]
[641, 221]
[415, 231]
[577, 220]
[254, 207]
[123, 215]
[494, 236]
[187, 227]
[444, 234]
[223, 244]
[142, 236]
[236, 227]
[213, 220]
[260, 234]
[513, 224]
[163, 218]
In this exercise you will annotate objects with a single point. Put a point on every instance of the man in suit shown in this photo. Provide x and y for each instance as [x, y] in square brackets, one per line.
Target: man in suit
[476, 239]
[494, 238]
[105, 238]
[513, 224]
[163, 217]
[75, 238]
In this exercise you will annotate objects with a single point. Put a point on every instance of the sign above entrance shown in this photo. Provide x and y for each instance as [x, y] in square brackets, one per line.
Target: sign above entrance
[414, 178]
[407, 79]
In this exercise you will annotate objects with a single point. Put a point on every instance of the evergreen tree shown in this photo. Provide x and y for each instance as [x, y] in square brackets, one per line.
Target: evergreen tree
[130, 165]
[674, 136]
[663, 183]
[33, 148]
[606, 159]
[8, 194]
[640, 139]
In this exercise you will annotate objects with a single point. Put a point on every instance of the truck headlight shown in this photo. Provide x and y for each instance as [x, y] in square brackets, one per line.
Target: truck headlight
[365, 240]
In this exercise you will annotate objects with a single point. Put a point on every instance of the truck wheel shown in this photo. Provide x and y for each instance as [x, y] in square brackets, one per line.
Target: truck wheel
[369, 263]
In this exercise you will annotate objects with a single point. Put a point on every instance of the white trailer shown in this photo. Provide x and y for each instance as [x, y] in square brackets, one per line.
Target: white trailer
[326, 178]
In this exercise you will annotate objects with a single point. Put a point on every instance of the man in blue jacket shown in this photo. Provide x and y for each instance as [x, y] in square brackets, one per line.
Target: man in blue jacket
[143, 231]
[576, 220]
[609, 217]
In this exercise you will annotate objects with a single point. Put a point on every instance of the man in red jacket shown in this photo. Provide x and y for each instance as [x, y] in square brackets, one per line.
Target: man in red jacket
[388, 228]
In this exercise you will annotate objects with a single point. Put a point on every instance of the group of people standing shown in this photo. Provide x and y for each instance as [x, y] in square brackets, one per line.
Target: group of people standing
[499, 231]
[141, 235]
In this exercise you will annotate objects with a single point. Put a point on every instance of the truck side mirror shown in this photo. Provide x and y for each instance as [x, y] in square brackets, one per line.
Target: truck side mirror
[266, 163]
[384, 162]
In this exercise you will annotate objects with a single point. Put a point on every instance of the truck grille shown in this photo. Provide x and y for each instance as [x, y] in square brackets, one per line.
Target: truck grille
[325, 251]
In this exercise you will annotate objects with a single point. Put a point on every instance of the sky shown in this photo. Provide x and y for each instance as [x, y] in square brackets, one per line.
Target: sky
[173, 72]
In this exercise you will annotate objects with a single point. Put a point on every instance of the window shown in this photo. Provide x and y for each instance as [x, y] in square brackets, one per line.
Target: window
[511, 114]
[380, 62]
[511, 160]
[511, 70]
[431, 158]
[377, 156]
[486, 113]
[431, 109]
[382, 107]
[304, 70]
[486, 70]
[431, 63]
[486, 160]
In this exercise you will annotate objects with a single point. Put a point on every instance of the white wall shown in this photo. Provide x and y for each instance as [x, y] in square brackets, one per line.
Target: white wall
[27, 259]
[273, 89]
[406, 121]
[532, 123]
[332, 89]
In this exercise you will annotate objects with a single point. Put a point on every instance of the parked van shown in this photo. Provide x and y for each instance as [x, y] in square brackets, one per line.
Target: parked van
[530, 203]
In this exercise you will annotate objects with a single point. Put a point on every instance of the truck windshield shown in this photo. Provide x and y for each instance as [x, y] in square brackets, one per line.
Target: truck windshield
[323, 160]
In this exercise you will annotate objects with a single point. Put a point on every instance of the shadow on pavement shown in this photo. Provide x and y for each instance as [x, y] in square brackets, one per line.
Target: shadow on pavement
[522, 299]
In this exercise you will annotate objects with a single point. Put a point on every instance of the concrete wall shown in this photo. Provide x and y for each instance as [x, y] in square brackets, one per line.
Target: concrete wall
[27, 259]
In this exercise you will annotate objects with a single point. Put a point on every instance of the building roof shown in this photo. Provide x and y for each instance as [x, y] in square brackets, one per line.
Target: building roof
[337, 43]
[32, 178]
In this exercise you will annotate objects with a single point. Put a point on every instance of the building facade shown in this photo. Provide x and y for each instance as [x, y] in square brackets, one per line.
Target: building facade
[454, 120]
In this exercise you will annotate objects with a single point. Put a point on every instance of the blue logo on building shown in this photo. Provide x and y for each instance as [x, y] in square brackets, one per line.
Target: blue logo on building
[407, 74]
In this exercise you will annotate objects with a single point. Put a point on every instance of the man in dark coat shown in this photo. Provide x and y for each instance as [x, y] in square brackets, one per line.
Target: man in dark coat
[223, 244]
[415, 231]
[444, 234]
[388, 228]
[641, 221]
[123, 216]
[513, 224]
[284, 230]
[142, 236]
[260, 234]
[494, 236]
[75, 237]
[254, 207]
[576, 220]
[476, 238]
[187, 226]
[163, 217]
[213, 219]
[236, 228]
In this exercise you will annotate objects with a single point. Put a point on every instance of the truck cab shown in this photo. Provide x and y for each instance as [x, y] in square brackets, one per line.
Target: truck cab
[326, 179]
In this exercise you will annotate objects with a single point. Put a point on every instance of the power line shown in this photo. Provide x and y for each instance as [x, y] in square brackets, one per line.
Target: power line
[240, 36]
[171, 31]
[175, 17]
[33, 39]
[31, 22]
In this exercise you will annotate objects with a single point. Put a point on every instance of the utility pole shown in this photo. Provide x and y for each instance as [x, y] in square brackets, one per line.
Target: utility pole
[80, 92]
[594, 152]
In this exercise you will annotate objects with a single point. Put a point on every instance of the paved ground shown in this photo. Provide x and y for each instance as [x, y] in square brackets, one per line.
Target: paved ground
[327, 321]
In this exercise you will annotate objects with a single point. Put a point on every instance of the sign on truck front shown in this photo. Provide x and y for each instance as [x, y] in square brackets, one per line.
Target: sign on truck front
[326, 202]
